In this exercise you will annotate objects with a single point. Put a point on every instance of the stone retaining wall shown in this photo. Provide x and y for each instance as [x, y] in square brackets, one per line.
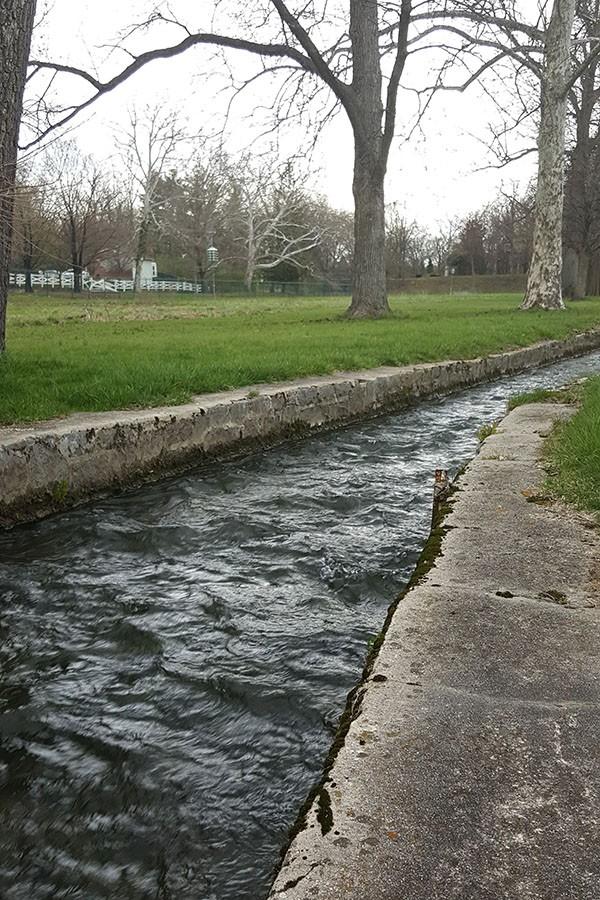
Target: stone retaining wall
[54, 465]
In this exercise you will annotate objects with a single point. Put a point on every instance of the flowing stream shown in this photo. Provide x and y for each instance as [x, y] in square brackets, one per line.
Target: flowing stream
[173, 661]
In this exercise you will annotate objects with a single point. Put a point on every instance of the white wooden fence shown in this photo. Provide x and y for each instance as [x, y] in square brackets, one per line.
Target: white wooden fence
[66, 281]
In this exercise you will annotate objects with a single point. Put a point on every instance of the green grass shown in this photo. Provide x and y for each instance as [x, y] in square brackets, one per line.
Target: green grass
[86, 354]
[573, 452]
[487, 431]
[571, 393]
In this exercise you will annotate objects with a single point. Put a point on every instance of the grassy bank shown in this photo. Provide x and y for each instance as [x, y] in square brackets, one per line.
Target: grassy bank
[574, 452]
[69, 355]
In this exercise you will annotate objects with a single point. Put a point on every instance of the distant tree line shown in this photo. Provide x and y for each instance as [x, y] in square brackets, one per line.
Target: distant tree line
[494, 240]
[164, 202]
[172, 199]
[72, 212]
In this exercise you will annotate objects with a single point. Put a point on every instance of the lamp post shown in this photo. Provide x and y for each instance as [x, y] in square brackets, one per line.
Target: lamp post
[213, 261]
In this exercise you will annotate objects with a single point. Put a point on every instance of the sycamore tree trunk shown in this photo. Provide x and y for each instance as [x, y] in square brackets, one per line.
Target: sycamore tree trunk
[249, 273]
[544, 284]
[16, 26]
[369, 294]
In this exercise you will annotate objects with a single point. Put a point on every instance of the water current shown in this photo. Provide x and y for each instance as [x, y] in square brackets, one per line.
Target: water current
[173, 661]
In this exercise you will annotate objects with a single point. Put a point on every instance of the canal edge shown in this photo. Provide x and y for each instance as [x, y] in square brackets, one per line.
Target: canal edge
[376, 837]
[52, 466]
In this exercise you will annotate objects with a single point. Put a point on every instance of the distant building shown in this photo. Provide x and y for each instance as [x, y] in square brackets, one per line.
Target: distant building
[149, 270]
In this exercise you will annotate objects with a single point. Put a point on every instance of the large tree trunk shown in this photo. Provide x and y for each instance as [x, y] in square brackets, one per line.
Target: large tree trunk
[583, 268]
[570, 272]
[593, 285]
[544, 285]
[369, 294]
[575, 273]
[579, 191]
[77, 278]
[16, 25]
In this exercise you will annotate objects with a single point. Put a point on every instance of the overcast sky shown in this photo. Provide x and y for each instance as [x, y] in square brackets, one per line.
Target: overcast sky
[433, 177]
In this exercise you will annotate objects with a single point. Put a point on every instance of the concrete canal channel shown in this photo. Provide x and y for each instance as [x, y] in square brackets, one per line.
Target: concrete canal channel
[174, 660]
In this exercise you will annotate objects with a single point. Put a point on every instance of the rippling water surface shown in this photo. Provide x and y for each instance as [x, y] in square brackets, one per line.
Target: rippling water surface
[173, 661]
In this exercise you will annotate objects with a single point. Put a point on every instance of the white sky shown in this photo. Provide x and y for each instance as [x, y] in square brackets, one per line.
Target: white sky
[434, 177]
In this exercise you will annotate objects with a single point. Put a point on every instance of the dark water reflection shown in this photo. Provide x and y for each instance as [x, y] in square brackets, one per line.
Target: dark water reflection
[173, 662]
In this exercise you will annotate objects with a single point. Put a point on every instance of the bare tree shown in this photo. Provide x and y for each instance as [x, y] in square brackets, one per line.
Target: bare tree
[82, 205]
[407, 245]
[471, 243]
[33, 229]
[16, 26]
[331, 259]
[350, 64]
[149, 148]
[268, 206]
[192, 207]
[509, 229]
[442, 244]
[542, 47]
[544, 284]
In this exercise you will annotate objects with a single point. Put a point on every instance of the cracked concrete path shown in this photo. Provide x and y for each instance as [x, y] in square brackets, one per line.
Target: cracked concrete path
[472, 767]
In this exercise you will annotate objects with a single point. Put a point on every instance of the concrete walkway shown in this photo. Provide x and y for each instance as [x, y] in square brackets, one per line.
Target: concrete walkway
[472, 767]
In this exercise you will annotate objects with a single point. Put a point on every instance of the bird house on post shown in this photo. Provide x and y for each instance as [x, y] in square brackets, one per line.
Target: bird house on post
[213, 256]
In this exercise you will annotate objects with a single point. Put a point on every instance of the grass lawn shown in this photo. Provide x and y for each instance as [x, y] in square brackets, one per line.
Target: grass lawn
[66, 355]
